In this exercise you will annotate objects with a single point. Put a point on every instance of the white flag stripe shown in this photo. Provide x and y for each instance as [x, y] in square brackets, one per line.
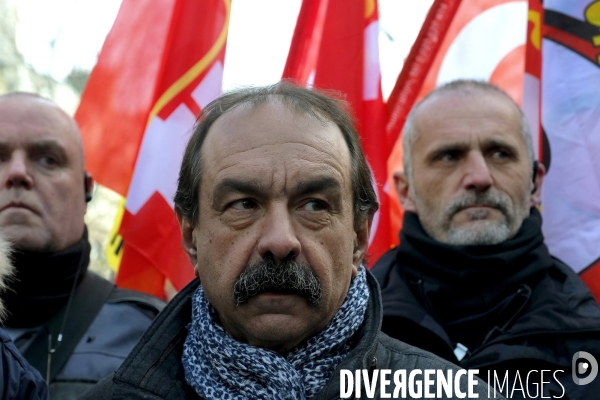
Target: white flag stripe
[372, 70]
[210, 87]
[159, 159]
[490, 36]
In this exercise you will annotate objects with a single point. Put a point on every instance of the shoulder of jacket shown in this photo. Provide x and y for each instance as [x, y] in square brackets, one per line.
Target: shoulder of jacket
[137, 299]
[383, 265]
[402, 352]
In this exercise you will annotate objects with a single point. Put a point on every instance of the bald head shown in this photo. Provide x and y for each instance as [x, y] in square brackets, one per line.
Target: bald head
[42, 195]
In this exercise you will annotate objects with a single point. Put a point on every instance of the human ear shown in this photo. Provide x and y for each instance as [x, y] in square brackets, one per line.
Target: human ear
[88, 186]
[402, 185]
[538, 179]
[187, 237]
[362, 232]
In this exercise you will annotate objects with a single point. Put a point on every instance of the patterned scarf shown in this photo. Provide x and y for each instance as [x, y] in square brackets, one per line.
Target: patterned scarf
[219, 367]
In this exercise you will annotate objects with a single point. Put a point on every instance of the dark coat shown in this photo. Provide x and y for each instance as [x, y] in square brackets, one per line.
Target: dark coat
[154, 371]
[559, 318]
[18, 379]
[113, 333]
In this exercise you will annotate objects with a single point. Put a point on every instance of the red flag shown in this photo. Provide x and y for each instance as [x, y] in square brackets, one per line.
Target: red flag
[335, 46]
[161, 63]
[532, 94]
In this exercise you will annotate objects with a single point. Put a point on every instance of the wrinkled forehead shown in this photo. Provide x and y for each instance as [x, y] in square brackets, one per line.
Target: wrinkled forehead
[249, 126]
[27, 119]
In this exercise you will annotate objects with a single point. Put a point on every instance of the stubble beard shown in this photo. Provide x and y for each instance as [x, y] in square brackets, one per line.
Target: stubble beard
[479, 230]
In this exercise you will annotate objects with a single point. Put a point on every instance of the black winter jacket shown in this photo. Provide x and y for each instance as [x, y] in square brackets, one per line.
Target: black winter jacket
[18, 379]
[541, 329]
[154, 371]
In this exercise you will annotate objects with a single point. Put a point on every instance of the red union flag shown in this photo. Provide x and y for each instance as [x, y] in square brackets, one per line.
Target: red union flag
[335, 47]
[160, 64]
[570, 109]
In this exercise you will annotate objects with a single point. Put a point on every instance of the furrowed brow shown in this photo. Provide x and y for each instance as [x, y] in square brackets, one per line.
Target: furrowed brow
[317, 185]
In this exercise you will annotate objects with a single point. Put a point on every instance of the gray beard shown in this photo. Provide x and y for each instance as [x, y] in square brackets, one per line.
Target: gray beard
[478, 231]
[485, 233]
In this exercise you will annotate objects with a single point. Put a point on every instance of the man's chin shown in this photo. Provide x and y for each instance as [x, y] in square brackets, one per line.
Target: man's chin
[478, 232]
[27, 238]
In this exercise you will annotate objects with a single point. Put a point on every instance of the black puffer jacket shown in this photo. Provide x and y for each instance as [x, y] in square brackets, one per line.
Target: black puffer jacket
[154, 371]
[534, 322]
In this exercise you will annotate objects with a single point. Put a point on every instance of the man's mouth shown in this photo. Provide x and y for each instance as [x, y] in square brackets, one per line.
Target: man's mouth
[17, 206]
[479, 206]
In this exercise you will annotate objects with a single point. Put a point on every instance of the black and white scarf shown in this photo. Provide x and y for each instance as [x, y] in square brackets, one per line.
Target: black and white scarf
[219, 367]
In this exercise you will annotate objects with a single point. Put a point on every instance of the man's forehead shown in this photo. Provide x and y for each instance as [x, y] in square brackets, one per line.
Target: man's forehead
[270, 123]
[452, 116]
[32, 120]
[471, 97]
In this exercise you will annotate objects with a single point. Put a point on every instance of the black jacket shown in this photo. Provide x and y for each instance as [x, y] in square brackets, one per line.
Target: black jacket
[18, 379]
[543, 325]
[154, 371]
[100, 324]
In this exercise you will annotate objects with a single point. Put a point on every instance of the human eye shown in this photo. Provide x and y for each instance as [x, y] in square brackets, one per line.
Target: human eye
[448, 156]
[242, 204]
[315, 205]
[47, 157]
[501, 154]
[48, 160]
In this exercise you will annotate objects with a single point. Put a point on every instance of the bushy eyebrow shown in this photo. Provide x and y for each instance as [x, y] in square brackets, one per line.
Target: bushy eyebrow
[256, 189]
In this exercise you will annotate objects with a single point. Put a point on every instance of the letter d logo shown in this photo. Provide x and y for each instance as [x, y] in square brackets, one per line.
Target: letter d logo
[590, 365]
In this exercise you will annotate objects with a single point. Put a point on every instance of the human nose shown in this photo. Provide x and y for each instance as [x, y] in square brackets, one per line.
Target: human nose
[278, 235]
[17, 172]
[477, 174]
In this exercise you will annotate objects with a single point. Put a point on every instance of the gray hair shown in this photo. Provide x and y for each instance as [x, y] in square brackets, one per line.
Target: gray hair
[463, 87]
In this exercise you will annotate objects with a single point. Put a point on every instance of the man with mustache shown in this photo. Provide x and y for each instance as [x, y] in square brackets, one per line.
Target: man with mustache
[70, 324]
[472, 280]
[275, 203]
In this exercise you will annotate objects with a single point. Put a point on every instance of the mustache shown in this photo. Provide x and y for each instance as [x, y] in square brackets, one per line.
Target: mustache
[488, 198]
[289, 276]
